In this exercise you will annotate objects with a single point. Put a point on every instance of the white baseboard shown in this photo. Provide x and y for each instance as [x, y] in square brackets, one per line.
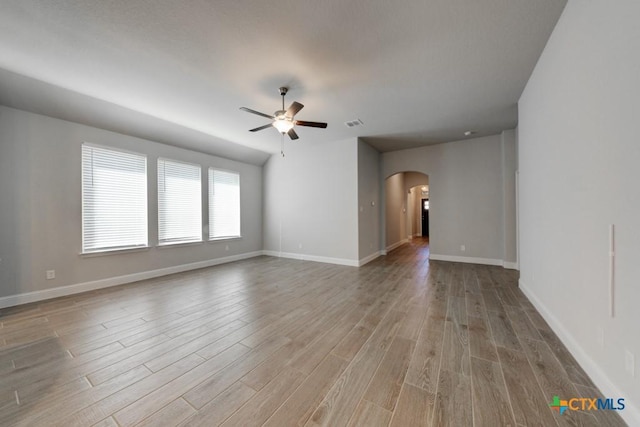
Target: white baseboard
[315, 258]
[62, 291]
[370, 258]
[465, 259]
[511, 265]
[631, 413]
[396, 244]
[282, 254]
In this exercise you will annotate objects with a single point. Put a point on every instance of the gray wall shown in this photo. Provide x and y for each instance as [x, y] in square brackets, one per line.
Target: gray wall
[579, 160]
[311, 201]
[415, 211]
[509, 167]
[368, 200]
[466, 193]
[395, 210]
[40, 208]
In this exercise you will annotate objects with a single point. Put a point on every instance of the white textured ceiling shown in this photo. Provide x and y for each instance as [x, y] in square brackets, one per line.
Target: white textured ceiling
[415, 72]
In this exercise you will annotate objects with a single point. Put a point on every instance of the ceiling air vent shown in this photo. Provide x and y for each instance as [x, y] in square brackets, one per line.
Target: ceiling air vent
[353, 123]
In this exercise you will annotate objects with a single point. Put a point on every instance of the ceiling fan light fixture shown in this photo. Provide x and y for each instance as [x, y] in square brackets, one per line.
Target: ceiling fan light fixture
[283, 120]
[283, 125]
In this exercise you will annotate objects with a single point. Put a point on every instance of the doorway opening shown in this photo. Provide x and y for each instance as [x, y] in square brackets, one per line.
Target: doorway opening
[425, 218]
[405, 219]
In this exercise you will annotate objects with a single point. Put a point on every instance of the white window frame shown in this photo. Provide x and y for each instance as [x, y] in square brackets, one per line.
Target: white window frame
[211, 194]
[141, 235]
[195, 237]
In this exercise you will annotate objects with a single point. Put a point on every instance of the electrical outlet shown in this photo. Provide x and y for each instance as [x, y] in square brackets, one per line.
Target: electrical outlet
[51, 274]
[630, 363]
[226, 248]
[463, 248]
[299, 245]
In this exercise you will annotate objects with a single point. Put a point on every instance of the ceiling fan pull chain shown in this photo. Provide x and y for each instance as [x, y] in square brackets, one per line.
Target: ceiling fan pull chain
[282, 145]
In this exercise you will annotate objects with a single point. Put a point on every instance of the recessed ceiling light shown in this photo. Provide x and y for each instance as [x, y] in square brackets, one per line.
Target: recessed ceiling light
[470, 132]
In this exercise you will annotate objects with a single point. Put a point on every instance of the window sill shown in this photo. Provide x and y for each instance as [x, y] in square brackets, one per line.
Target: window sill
[113, 252]
[178, 244]
[222, 239]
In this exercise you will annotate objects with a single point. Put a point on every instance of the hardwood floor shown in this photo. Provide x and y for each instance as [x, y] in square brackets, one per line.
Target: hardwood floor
[401, 342]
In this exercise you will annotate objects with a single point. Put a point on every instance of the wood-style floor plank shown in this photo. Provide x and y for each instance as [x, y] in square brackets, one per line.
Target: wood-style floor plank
[219, 409]
[352, 343]
[452, 406]
[202, 393]
[574, 371]
[475, 305]
[415, 407]
[109, 422]
[384, 387]
[401, 341]
[260, 406]
[490, 400]
[171, 414]
[481, 342]
[530, 406]
[456, 348]
[158, 398]
[369, 414]
[548, 370]
[113, 403]
[343, 398]
[300, 405]
[425, 362]
[502, 331]
[521, 323]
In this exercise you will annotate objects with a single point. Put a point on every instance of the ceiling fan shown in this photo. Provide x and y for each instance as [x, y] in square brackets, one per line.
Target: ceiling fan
[283, 120]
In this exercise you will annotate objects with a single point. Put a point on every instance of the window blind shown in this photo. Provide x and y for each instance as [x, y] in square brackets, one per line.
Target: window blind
[224, 204]
[179, 202]
[114, 199]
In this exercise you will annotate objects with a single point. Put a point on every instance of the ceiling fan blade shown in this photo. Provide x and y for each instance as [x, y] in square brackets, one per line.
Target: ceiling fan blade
[311, 124]
[292, 134]
[249, 110]
[293, 109]
[261, 128]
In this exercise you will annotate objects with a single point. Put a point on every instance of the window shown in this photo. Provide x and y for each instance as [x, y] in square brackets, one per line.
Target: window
[114, 199]
[224, 204]
[179, 202]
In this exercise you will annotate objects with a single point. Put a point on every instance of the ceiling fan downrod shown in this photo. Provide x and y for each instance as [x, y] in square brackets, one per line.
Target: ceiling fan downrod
[283, 92]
